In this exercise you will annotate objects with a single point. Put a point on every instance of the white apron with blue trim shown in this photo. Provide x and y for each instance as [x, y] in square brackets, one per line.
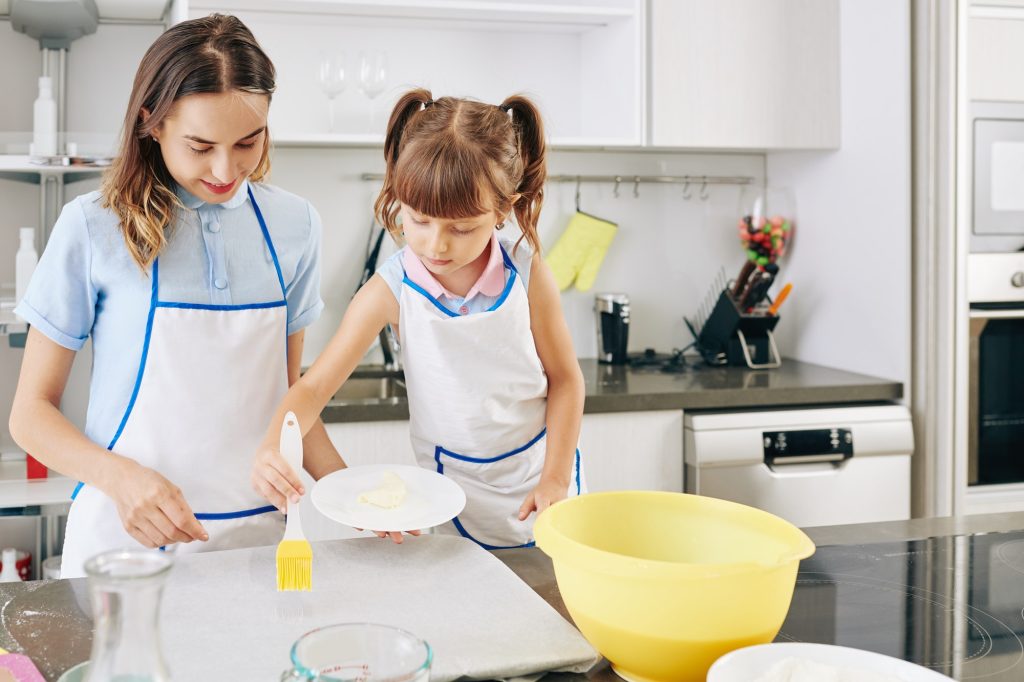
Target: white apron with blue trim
[477, 407]
[210, 379]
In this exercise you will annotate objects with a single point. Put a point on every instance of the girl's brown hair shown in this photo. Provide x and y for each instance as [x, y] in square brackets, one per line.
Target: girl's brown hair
[458, 158]
[213, 54]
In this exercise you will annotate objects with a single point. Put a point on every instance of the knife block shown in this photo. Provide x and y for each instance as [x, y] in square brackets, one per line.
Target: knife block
[732, 337]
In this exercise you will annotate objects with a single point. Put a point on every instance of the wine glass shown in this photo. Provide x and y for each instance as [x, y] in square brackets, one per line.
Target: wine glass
[373, 76]
[332, 81]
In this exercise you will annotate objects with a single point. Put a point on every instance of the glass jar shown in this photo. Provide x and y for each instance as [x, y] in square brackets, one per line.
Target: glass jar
[363, 652]
[125, 587]
[766, 224]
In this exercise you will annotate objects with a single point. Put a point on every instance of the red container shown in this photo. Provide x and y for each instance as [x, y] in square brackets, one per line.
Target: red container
[34, 468]
[23, 563]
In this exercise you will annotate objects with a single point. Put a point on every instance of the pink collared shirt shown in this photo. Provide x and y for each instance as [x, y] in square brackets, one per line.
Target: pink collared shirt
[491, 281]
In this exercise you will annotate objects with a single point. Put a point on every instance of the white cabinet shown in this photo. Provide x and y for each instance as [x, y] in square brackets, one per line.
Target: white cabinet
[745, 74]
[995, 44]
[580, 60]
[633, 450]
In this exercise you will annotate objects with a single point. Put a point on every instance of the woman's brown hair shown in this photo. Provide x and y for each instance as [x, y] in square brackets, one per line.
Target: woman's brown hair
[458, 158]
[213, 54]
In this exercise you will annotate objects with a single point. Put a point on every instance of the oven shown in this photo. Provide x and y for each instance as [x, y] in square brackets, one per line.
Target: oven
[995, 290]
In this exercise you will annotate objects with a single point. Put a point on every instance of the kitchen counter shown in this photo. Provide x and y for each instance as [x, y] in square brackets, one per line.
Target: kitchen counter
[950, 616]
[611, 388]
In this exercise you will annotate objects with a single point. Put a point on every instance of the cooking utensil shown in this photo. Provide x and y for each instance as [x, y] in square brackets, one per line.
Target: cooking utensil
[780, 299]
[359, 651]
[294, 553]
[663, 584]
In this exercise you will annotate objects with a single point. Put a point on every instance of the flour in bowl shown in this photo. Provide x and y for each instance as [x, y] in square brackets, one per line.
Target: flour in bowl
[804, 670]
[388, 495]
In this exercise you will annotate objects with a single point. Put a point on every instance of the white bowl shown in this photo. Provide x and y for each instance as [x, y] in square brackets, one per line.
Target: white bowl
[749, 663]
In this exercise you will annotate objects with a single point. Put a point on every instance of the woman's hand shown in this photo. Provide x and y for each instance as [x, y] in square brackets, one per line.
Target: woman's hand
[547, 492]
[274, 479]
[152, 509]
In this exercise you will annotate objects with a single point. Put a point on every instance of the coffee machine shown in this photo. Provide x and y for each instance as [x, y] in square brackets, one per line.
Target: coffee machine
[612, 317]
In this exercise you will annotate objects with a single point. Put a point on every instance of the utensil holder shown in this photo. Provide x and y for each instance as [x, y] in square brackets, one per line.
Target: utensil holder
[732, 337]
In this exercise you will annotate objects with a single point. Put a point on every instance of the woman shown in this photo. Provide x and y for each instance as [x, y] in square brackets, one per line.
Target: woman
[195, 282]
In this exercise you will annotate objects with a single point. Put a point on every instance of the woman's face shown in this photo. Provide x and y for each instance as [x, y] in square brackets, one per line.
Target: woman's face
[212, 142]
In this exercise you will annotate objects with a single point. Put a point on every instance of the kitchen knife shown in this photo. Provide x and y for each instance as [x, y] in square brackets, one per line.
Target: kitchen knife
[741, 281]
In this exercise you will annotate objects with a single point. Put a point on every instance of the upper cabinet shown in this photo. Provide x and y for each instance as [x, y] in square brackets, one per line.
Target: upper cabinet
[995, 46]
[744, 74]
[580, 60]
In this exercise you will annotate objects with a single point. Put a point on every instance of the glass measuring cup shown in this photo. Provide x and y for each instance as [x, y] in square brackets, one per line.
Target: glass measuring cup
[359, 652]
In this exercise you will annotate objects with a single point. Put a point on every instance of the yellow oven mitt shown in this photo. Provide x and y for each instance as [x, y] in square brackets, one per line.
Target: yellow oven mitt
[579, 252]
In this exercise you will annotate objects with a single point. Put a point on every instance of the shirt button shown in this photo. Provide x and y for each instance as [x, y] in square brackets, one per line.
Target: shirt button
[464, 310]
[213, 227]
[220, 283]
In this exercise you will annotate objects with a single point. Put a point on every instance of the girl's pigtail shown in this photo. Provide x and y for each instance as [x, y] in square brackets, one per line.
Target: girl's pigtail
[387, 205]
[529, 129]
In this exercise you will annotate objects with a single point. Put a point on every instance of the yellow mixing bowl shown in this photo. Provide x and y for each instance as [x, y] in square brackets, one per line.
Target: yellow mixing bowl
[662, 584]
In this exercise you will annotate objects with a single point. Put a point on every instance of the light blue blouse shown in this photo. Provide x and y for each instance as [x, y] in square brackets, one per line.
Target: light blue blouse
[87, 285]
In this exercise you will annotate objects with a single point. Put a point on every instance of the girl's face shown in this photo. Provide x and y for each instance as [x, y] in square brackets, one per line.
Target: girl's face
[212, 142]
[446, 245]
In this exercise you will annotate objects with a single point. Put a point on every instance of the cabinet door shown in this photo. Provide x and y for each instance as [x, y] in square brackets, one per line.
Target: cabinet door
[994, 43]
[359, 443]
[633, 450]
[745, 74]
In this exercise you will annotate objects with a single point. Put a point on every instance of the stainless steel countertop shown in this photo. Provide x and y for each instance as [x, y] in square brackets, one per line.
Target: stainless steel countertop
[57, 634]
[618, 388]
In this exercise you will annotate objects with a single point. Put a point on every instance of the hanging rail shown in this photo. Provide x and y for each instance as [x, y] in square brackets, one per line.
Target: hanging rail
[635, 179]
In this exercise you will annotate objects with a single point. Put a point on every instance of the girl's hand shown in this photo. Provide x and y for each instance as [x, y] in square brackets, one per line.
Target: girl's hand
[274, 479]
[396, 536]
[152, 509]
[543, 496]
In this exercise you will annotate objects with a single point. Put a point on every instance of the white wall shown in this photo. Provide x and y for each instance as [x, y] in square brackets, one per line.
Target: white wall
[849, 262]
[665, 254]
[850, 265]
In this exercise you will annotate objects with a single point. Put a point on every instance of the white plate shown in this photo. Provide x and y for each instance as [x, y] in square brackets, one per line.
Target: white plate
[747, 664]
[430, 500]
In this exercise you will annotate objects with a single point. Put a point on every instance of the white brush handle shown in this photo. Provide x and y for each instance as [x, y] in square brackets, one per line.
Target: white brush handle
[291, 451]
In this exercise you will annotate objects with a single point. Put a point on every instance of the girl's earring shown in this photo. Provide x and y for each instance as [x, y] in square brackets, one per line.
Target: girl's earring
[499, 226]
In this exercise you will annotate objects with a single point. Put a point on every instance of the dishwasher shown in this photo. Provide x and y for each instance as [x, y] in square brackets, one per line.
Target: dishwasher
[813, 466]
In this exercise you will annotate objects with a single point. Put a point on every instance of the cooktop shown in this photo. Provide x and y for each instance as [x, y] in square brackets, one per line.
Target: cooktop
[953, 604]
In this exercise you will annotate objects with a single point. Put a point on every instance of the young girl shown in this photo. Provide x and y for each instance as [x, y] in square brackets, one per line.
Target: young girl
[194, 282]
[495, 391]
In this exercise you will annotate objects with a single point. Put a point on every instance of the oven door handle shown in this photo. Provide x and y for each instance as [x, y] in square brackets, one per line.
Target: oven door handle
[1007, 314]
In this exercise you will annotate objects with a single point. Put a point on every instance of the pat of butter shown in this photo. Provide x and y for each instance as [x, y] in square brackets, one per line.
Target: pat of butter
[388, 495]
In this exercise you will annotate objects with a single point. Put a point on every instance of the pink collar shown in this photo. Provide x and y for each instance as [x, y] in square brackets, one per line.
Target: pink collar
[491, 282]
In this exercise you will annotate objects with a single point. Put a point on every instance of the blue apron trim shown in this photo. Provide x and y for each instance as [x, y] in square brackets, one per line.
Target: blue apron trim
[438, 451]
[504, 294]
[417, 288]
[497, 304]
[142, 361]
[270, 242]
[465, 534]
[155, 302]
[210, 306]
[236, 514]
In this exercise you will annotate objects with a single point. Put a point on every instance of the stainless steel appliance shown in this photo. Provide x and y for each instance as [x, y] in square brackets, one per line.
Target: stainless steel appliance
[612, 317]
[811, 466]
[995, 291]
[998, 133]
